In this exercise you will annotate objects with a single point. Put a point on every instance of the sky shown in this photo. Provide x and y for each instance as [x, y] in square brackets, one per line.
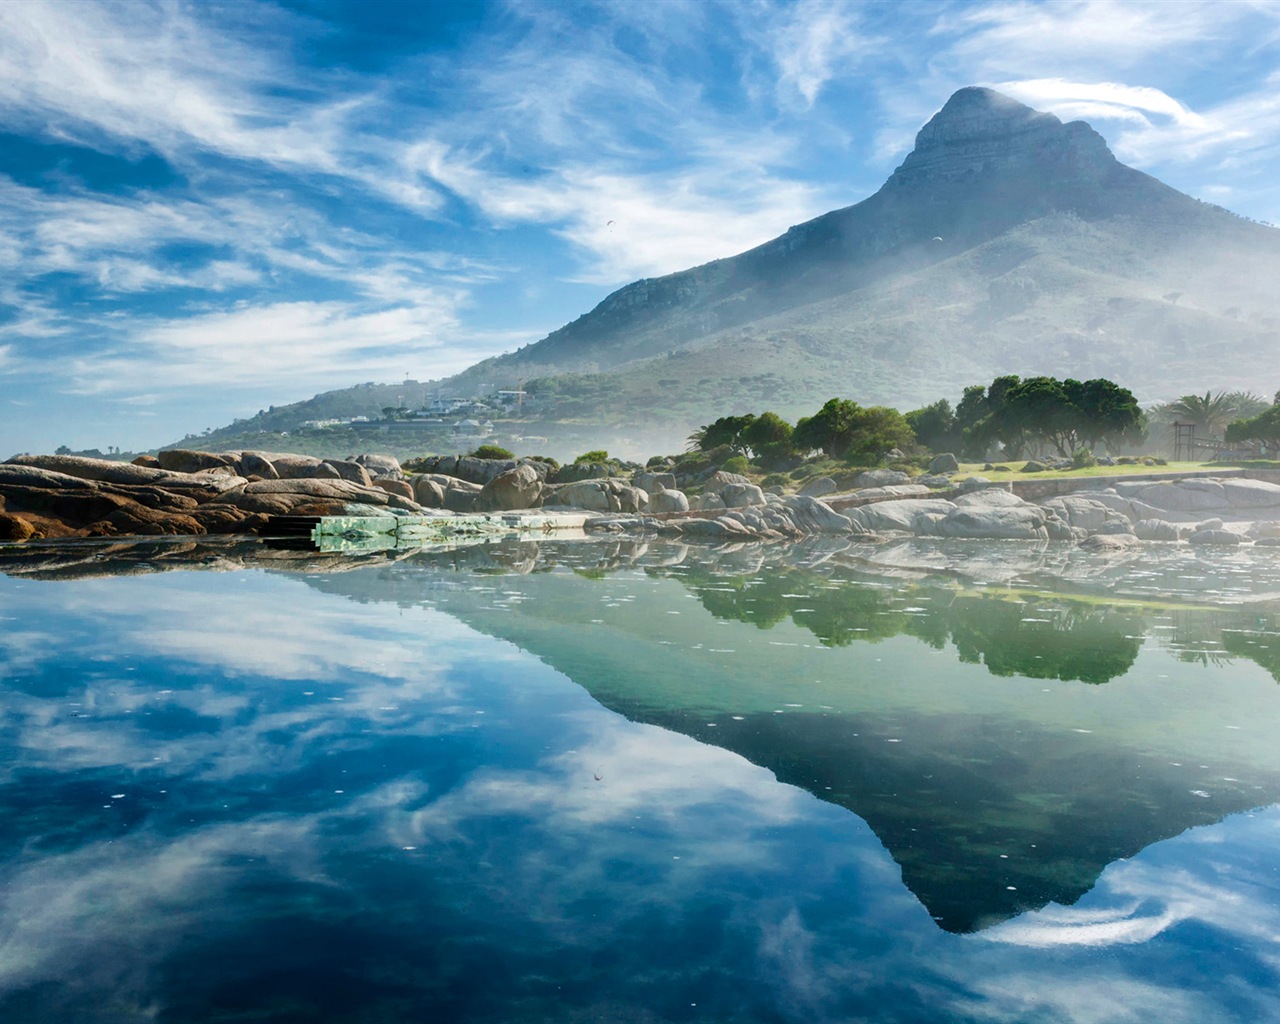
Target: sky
[206, 209]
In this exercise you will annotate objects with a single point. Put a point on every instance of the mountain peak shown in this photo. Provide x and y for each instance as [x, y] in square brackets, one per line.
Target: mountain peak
[981, 131]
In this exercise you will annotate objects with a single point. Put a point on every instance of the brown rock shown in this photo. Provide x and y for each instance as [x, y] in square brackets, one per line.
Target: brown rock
[139, 520]
[319, 508]
[428, 493]
[221, 518]
[303, 467]
[183, 460]
[146, 461]
[75, 507]
[519, 487]
[155, 497]
[268, 504]
[15, 527]
[352, 472]
[255, 464]
[333, 488]
[34, 476]
[395, 487]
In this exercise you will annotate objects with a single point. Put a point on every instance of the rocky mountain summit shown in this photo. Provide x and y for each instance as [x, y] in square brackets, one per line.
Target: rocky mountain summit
[1005, 242]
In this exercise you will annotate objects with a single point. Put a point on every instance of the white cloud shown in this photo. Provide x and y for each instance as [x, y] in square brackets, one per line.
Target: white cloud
[1049, 93]
[309, 344]
[1082, 33]
[637, 225]
[816, 42]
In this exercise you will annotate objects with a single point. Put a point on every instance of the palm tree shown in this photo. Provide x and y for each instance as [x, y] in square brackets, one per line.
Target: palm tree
[1210, 413]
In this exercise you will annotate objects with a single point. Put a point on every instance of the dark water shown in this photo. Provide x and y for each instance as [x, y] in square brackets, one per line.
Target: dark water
[589, 782]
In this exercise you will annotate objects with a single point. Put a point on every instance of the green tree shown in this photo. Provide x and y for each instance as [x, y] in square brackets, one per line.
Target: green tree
[829, 429]
[1263, 427]
[843, 428]
[987, 419]
[1109, 414]
[769, 437]
[877, 431]
[726, 430]
[934, 426]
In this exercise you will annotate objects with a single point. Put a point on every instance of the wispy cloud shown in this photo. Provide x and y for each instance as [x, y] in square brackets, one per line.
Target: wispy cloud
[816, 42]
[420, 188]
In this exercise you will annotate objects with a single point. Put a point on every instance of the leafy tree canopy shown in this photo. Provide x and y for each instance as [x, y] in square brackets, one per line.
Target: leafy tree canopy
[843, 428]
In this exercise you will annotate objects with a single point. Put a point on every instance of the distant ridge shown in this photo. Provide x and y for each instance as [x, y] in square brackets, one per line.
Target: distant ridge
[1005, 242]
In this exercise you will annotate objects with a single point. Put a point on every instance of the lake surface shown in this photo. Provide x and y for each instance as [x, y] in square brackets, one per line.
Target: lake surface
[626, 782]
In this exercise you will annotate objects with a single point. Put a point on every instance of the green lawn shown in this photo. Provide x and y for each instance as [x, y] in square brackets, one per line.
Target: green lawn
[968, 469]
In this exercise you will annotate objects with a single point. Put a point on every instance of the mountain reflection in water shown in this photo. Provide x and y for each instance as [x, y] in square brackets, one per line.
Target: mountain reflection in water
[1004, 740]
[993, 796]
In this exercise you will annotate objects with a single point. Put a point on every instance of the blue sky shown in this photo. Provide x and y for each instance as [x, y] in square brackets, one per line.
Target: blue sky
[209, 208]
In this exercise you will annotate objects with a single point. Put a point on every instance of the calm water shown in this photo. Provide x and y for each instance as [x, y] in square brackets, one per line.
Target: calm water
[622, 782]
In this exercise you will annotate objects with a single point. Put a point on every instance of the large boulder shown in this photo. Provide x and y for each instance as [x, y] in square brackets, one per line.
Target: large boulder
[819, 486]
[1159, 529]
[649, 481]
[881, 478]
[380, 467]
[600, 496]
[400, 487]
[184, 460]
[429, 492]
[352, 471]
[333, 490]
[989, 497]
[1025, 522]
[106, 471]
[667, 500]
[481, 471]
[899, 515]
[720, 479]
[217, 518]
[76, 507]
[303, 467]
[1196, 496]
[133, 519]
[740, 495]
[813, 516]
[519, 487]
[1251, 495]
[1087, 513]
[34, 476]
[944, 463]
[15, 527]
[254, 464]
[460, 495]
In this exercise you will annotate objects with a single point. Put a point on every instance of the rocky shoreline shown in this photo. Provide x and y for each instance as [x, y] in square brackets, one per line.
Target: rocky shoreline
[192, 493]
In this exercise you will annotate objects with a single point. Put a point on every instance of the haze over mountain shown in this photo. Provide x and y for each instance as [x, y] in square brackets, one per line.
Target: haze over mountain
[1006, 242]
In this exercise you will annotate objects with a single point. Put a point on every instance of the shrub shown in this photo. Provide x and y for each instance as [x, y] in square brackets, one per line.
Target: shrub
[492, 451]
[596, 455]
[1082, 458]
[546, 459]
[737, 464]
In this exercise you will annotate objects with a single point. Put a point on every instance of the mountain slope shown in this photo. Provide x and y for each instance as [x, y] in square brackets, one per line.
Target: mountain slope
[1006, 242]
